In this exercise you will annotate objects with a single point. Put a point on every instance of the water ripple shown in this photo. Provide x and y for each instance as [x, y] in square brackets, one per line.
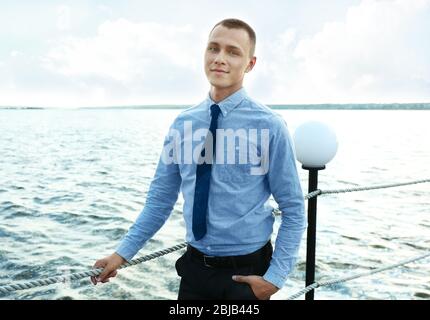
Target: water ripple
[70, 197]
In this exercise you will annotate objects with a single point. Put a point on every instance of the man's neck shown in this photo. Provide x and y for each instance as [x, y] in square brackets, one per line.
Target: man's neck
[219, 94]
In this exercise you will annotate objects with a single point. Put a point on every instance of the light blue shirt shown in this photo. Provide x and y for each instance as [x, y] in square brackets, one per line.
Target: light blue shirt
[239, 218]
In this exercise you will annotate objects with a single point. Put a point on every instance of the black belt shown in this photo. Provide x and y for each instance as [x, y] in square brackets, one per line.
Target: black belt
[228, 261]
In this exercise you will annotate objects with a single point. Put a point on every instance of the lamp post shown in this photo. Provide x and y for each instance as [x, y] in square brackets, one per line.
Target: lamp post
[315, 145]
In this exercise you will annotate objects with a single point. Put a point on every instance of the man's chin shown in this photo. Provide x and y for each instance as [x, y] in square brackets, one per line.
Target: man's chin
[219, 84]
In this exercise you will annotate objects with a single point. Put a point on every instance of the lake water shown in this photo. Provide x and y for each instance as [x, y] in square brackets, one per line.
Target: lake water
[73, 181]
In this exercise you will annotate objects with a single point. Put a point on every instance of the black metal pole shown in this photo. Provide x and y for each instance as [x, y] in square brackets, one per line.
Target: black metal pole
[312, 229]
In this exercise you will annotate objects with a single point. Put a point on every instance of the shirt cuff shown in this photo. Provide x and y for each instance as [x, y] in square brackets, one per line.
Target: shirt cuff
[126, 251]
[275, 277]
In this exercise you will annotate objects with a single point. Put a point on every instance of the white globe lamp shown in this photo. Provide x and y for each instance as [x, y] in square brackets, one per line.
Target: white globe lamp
[315, 144]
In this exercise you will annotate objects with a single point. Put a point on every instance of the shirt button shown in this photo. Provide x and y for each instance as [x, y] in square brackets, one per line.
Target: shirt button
[208, 247]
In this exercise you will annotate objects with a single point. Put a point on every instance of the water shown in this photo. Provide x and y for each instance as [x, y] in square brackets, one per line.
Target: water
[73, 181]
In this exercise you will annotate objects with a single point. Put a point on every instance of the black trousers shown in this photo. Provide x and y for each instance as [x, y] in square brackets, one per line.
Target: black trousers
[203, 282]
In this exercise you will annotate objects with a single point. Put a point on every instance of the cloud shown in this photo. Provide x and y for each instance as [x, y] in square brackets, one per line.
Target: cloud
[105, 9]
[15, 54]
[64, 18]
[147, 59]
[377, 54]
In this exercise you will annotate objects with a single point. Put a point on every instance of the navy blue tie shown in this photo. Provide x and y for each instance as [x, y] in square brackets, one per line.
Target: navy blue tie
[203, 177]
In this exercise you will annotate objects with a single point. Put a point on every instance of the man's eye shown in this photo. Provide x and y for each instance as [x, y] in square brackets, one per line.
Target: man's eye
[212, 49]
[234, 52]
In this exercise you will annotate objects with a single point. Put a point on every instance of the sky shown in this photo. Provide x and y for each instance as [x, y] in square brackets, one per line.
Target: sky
[115, 53]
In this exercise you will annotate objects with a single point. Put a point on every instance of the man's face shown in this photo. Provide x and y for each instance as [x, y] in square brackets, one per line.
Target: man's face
[227, 57]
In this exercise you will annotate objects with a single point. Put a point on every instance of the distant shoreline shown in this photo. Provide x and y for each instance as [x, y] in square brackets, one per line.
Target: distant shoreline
[352, 106]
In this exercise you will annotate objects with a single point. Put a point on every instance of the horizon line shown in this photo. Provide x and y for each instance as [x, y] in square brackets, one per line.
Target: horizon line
[426, 105]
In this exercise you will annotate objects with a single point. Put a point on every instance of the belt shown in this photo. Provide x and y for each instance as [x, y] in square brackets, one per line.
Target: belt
[228, 261]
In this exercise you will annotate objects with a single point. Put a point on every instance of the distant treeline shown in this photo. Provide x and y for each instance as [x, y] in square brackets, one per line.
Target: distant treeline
[368, 106]
[25, 108]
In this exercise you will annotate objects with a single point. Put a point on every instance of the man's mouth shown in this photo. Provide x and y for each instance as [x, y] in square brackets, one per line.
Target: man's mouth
[219, 70]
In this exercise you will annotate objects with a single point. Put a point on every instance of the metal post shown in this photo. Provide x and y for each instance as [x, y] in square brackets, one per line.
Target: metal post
[312, 228]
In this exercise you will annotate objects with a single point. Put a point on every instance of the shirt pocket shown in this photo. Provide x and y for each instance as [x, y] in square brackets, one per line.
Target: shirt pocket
[234, 173]
[238, 172]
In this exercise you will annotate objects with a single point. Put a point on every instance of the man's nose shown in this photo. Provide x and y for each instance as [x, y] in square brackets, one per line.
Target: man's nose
[220, 58]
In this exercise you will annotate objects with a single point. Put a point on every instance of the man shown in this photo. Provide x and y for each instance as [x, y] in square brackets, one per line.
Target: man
[228, 220]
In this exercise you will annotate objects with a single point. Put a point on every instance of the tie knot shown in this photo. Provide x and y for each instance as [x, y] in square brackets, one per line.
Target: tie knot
[215, 110]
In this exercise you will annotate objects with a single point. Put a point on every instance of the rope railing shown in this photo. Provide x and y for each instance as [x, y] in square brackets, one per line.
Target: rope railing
[95, 272]
[319, 284]
[319, 192]
[89, 273]
[312, 194]
[383, 186]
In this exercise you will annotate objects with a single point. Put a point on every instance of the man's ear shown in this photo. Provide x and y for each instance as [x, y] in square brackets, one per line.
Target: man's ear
[251, 64]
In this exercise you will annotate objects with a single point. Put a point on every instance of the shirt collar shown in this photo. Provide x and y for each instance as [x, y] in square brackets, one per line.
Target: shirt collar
[228, 104]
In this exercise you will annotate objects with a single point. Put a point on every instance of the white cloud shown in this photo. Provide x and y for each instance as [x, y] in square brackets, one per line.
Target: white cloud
[124, 51]
[15, 54]
[377, 54]
[133, 62]
[105, 9]
[64, 18]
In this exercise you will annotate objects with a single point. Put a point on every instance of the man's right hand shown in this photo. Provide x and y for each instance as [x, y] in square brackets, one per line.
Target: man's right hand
[109, 264]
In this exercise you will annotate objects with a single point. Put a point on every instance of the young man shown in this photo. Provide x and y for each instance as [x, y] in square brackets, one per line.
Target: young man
[228, 221]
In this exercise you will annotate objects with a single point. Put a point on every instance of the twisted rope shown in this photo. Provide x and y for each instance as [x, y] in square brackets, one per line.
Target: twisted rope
[372, 187]
[360, 275]
[320, 192]
[89, 273]
[312, 194]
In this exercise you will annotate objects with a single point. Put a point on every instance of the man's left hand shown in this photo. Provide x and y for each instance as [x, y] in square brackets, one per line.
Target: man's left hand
[262, 289]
